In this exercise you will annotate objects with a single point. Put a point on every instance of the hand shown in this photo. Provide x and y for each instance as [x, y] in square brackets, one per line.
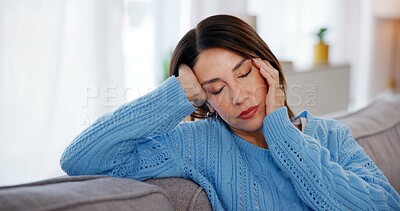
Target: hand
[275, 96]
[193, 90]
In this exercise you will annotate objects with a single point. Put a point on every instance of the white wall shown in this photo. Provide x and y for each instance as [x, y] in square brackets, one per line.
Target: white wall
[54, 55]
[65, 63]
[204, 8]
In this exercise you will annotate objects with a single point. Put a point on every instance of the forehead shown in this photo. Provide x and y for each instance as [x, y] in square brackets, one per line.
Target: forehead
[214, 62]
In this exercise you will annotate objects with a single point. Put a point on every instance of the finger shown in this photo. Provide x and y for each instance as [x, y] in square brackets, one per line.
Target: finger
[267, 69]
[270, 99]
[275, 97]
[272, 84]
[259, 63]
[274, 72]
[267, 66]
[270, 79]
[256, 62]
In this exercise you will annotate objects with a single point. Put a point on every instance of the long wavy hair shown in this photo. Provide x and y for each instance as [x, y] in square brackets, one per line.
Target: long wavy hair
[227, 32]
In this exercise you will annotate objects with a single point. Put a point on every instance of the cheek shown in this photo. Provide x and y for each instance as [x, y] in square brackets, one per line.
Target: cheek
[258, 86]
[261, 90]
[216, 102]
[221, 104]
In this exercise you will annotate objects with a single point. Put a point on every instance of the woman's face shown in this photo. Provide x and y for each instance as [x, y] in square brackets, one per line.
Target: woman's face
[234, 87]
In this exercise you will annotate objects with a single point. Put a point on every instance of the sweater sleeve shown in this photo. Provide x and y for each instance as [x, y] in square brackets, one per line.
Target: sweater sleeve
[328, 180]
[126, 142]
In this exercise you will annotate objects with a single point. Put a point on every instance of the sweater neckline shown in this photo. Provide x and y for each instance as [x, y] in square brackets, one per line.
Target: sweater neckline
[248, 147]
[244, 145]
[257, 151]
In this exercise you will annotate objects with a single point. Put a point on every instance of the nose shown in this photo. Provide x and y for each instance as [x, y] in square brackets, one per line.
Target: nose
[239, 95]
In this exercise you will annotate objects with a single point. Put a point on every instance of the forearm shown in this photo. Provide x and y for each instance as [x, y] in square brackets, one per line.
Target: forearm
[319, 181]
[152, 115]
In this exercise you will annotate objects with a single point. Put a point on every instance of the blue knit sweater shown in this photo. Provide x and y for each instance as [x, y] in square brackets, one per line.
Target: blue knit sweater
[321, 168]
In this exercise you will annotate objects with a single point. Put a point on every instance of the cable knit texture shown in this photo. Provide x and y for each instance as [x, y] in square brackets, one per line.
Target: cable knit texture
[321, 169]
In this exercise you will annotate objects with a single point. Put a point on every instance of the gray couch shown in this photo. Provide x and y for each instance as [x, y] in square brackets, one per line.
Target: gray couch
[376, 128]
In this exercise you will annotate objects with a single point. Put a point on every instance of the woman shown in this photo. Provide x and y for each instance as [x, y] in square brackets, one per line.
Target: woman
[251, 153]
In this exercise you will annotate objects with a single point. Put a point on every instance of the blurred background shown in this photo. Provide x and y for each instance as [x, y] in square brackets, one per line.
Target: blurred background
[65, 63]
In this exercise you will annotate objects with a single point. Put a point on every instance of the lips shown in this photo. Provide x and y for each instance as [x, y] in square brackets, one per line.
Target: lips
[249, 113]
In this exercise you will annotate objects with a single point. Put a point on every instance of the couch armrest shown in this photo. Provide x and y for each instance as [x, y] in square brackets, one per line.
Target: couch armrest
[84, 193]
[183, 193]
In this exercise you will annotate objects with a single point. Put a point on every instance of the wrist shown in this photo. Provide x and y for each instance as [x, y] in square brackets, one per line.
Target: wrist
[185, 88]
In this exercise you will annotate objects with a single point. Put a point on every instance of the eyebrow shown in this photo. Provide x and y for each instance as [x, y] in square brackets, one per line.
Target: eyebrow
[237, 66]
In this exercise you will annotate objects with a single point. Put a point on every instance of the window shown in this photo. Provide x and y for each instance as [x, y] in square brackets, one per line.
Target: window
[151, 31]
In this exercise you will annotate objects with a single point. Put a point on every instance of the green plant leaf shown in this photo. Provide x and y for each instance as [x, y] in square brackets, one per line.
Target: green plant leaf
[321, 33]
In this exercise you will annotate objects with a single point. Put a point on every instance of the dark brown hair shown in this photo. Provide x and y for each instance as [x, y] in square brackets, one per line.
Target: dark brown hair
[227, 32]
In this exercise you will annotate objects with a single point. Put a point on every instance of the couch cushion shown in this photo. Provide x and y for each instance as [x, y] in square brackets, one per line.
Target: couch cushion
[84, 193]
[184, 194]
[377, 129]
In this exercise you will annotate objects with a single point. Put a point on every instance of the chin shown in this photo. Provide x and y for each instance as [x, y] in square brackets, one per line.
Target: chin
[253, 125]
[254, 128]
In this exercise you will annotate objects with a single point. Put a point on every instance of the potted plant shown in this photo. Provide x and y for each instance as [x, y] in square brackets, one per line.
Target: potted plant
[321, 49]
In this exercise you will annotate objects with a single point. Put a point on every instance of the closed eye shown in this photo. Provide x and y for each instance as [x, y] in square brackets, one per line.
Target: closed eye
[246, 74]
[217, 92]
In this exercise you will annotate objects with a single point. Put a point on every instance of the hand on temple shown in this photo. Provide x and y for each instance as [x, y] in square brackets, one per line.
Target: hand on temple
[193, 90]
[275, 96]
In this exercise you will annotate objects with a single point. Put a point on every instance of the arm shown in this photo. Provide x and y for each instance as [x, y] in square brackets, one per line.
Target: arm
[130, 134]
[342, 179]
